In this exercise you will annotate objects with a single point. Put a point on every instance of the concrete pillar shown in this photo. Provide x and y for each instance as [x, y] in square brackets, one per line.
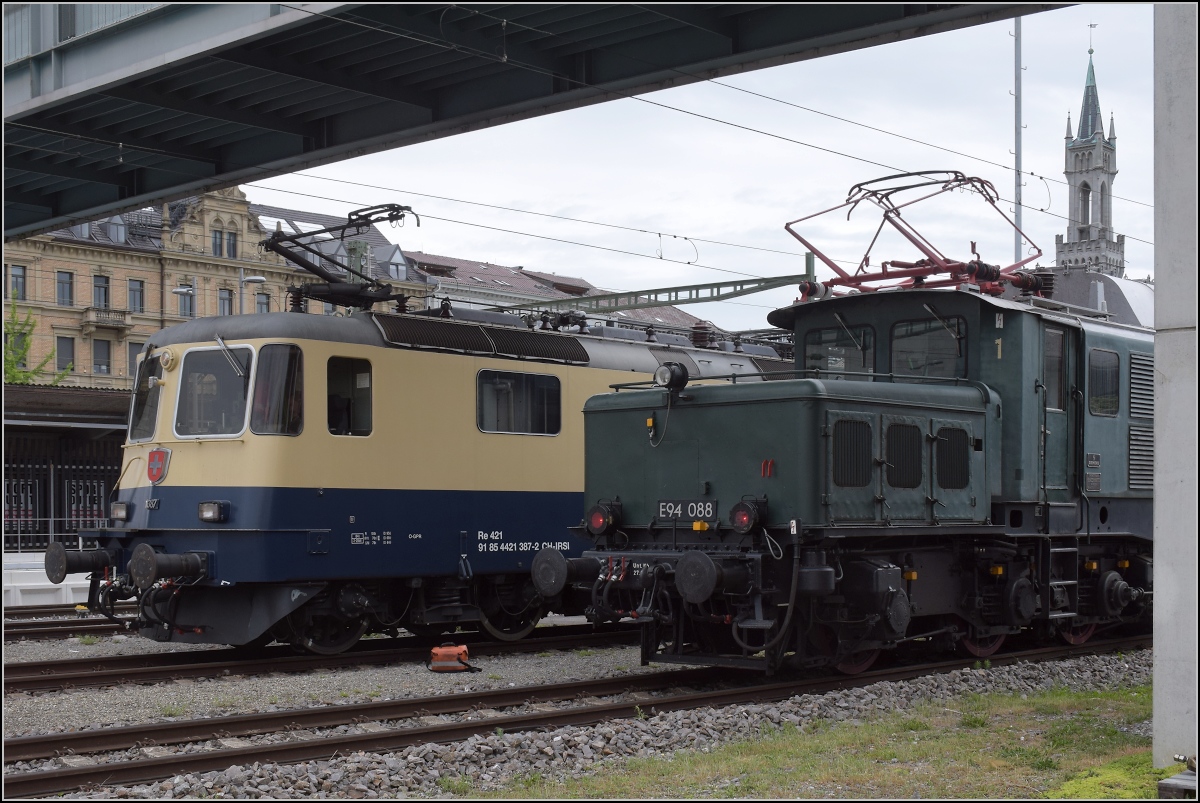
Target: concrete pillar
[1174, 382]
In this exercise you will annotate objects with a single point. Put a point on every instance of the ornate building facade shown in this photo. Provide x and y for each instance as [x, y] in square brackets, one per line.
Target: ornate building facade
[99, 290]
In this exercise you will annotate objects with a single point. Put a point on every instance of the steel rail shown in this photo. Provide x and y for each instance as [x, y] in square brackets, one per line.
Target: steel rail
[34, 784]
[26, 748]
[65, 609]
[34, 629]
[23, 680]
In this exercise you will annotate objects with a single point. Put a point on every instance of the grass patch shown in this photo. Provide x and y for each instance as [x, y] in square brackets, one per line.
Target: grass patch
[168, 710]
[1055, 744]
[1130, 776]
[455, 786]
[585, 653]
[88, 640]
[495, 677]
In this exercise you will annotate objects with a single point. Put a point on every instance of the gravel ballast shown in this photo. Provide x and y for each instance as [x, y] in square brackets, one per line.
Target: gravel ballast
[488, 762]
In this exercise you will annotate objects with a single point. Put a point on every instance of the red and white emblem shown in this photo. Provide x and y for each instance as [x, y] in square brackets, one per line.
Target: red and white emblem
[156, 468]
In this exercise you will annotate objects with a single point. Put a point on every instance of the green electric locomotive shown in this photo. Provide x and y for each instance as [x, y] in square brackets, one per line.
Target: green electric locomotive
[942, 464]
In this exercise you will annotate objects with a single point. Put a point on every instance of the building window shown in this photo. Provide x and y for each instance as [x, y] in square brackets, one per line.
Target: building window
[20, 350]
[329, 309]
[217, 239]
[231, 244]
[187, 302]
[66, 289]
[1085, 204]
[262, 303]
[64, 350]
[137, 295]
[134, 350]
[16, 284]
[100, 294]
[224, 302]
[101, 356]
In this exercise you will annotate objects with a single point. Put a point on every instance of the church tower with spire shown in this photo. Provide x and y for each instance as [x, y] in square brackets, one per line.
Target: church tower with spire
[1091, 167]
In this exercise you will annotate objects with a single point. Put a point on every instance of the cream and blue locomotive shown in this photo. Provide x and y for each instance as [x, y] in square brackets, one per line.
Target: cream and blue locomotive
[313, 479]
[941, 465]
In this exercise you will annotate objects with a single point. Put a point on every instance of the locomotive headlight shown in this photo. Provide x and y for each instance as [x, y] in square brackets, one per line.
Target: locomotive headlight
[671, 375]
[743, 517]
[214, 512]
[119, 511]
[602, 518]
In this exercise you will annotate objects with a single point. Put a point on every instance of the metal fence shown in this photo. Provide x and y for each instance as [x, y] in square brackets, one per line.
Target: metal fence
[56, 486]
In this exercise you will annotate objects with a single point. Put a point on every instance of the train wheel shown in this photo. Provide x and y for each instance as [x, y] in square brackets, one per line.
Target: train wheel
[858, 662]
[983, 646]
[330, 635]
[509, 611]
[1077, 634]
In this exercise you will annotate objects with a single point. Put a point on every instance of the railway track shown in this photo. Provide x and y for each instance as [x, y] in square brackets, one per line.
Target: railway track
[382, 738]
[41, 676]
[35, 629]
[68, 609]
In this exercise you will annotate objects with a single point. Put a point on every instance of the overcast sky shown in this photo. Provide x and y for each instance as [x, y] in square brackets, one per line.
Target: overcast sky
[632, 164]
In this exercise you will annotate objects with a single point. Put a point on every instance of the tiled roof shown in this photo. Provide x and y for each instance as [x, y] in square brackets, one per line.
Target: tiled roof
[143, 229]
[468, 273]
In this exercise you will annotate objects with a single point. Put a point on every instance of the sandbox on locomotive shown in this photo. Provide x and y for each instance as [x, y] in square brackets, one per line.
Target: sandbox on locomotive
[943, 465]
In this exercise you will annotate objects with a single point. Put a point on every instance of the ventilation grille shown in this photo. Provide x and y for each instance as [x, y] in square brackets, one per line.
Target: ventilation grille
[851, 454]
[1141, 458]
[537, 345]
[953, 458]
[904, 456]
[1141, 385]
[767, 365]
[468, 338]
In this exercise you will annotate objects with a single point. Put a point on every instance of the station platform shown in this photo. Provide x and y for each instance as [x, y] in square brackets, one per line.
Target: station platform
[25, 582]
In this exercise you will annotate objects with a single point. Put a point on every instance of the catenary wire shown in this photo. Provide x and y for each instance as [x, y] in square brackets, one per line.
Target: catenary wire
[427, 40]
[778, 100]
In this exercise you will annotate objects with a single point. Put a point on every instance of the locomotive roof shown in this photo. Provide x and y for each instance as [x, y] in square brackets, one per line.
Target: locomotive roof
[786, 317]
[600, 348]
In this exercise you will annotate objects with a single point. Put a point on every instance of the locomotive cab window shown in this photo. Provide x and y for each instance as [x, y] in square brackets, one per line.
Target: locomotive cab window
[932, 347]
[212, 392]
[278, 407]
[848, 349]
[526, 404]
[1104, 382]
[349, 384]
[1052, 368]
[143, 414]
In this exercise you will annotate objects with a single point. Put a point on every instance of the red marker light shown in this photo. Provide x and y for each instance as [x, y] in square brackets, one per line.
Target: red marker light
[743, 517]
[601, 519]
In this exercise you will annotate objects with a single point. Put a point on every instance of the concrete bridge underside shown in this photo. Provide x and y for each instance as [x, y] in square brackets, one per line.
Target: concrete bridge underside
[116, 107]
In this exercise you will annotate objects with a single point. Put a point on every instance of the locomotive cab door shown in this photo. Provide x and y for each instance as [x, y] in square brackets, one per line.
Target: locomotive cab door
[1058, 412]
